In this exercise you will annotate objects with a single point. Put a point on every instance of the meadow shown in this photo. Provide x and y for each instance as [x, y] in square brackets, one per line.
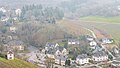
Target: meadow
[102, 19]
[109, 25]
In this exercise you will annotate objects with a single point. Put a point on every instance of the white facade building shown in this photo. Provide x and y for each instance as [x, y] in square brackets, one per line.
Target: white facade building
[10, 55]
[82, 59]
[99, 56]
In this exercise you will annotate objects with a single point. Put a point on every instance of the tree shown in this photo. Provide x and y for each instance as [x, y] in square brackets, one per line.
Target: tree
[66, 45]
[67, 62]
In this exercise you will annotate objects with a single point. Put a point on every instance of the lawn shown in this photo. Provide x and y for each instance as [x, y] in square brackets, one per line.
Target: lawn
[102, 19]
[17, 63]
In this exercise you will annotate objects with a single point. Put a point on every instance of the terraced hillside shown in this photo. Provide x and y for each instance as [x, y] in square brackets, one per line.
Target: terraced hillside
[17, 63]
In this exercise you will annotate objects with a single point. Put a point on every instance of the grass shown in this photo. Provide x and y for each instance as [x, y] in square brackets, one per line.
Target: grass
[110, 25]
[16, 63]
[102, 19]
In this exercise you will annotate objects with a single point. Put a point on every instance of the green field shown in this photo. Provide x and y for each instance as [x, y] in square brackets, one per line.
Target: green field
[102, 19]
[17, 63]
[109, 25]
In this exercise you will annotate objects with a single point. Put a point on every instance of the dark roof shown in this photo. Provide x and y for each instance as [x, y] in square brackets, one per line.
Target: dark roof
[10, 52]
[99, 54]
[50, 44]
[115, 62]
[83, 56]
[73, 40]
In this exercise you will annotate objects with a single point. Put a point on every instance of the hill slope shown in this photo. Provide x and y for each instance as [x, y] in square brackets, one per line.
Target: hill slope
[17, 63]
[115, 19]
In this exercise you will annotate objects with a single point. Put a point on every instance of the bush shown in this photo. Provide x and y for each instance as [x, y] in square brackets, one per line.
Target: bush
[2, 55]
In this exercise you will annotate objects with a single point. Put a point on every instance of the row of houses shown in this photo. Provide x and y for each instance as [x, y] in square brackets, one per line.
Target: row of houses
[96, 57]
[6, 13]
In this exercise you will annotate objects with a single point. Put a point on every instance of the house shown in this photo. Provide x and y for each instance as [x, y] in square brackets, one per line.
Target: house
[41, 57]
[10, 55]
[115, 64]
[18, 12]
[64, 51]
[16, 44]
[51, 46]
[82, 59]
[61, 51]
[3, 10]
[89, 38]
[13, 29]
[60, 59]
[73, 42]
[99, 56]
[107, 41]
[50, 55]
[93, 44]
[115, 50]
[4, 19]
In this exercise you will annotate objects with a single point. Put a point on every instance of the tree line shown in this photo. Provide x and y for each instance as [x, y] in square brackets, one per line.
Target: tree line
[41, 14]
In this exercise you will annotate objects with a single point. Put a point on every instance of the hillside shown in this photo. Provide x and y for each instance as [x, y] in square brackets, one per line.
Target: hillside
[17, 63]
[102, 19]
[71, 27]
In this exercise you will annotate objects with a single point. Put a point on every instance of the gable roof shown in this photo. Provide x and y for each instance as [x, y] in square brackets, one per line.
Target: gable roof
[73, 40]
[83, 56]
[99, 54]
[9, 52]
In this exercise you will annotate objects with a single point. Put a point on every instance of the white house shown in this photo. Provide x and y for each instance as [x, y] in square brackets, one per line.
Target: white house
[107, 41]
[51, 45]
[82, 59]
[13, 29]
[18, 12]
[99, 56]
[10, 55]
[61, 52]
[89, 38]
[64, 51]
[58, 52]
[93, 43]
[115, 50]
[60, 59]
[3, 9]
[73, 41]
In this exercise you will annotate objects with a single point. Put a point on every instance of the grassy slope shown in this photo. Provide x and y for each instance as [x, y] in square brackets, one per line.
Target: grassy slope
[108, 24]
[102, 19]
[17, 63]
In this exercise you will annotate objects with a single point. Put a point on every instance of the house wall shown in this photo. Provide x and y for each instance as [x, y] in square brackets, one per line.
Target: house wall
[82, 61]
[10, 56]
[98, 59]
